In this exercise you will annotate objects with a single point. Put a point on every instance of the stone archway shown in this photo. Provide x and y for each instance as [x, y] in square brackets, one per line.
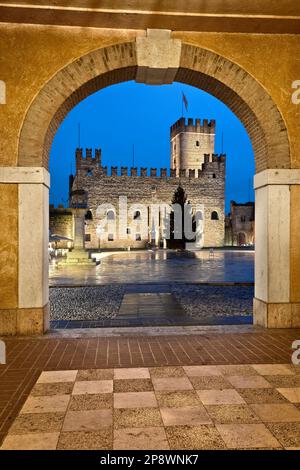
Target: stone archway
[157, 58]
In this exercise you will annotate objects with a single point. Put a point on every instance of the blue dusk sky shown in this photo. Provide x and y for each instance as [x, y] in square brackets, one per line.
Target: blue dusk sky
[130, 114]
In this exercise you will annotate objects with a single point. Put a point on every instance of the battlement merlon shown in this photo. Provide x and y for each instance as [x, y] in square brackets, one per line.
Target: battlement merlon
[212, 163]
[89, 161]
[193, 125]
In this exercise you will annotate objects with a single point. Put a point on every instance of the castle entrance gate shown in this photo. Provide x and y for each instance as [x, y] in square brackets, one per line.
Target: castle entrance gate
[47, 71]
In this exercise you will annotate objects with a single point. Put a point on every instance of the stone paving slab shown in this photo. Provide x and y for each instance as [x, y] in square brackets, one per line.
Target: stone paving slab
[173, 415]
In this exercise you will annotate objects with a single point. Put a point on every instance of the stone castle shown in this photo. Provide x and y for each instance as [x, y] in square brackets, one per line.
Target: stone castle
[193, 165]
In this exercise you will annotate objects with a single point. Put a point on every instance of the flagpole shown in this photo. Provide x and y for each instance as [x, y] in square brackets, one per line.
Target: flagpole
[183, 102]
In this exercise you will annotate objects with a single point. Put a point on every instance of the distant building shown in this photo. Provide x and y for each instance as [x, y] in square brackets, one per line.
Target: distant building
[193, 165]
[240, 224]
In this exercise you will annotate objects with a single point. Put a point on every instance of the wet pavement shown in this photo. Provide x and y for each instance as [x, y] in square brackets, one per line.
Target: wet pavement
[160, 267]
[159, 288]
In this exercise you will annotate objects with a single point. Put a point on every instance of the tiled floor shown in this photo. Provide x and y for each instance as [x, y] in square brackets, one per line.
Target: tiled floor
[173, 407]
[129, 348]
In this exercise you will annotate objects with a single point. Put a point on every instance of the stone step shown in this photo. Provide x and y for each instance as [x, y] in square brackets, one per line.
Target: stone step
[78, 257]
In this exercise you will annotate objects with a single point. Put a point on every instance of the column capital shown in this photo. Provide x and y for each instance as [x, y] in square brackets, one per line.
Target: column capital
[276, 176]
[23, 175]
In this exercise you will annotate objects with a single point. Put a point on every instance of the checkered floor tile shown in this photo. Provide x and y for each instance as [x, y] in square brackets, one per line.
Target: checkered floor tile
[192, 407]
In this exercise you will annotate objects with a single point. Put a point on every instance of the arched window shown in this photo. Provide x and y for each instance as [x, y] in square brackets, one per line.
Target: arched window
[214, 215]
[241, 239]
[89, 215]
[110, 215]
[137, 215]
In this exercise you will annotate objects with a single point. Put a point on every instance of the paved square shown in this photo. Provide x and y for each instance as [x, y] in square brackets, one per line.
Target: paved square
[172, 407]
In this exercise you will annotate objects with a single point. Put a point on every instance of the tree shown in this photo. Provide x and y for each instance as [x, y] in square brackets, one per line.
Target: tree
[179, 198]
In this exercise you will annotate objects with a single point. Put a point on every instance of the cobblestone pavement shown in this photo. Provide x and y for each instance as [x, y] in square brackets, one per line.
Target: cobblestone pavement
[189, 407]
[149, 305]
[85, 303]
[214, 301]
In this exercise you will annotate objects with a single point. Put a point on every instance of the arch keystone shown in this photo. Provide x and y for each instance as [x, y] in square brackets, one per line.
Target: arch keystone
[158, 57]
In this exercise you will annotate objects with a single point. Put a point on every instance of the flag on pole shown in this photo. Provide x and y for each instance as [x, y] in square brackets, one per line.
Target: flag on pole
[185, 101]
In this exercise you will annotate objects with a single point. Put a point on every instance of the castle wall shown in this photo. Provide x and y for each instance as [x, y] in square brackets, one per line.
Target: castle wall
[207, 189]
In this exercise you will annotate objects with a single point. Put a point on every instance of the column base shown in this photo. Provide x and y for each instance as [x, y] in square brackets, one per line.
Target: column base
[279, 315]
[78, 258]
[24, 321]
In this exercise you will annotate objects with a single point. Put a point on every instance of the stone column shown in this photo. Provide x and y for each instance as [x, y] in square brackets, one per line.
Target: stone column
[277, 246]
[79, 231]
[78, 256]
[26, 309]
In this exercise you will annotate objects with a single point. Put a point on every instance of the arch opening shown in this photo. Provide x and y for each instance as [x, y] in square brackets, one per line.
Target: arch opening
[199, 67]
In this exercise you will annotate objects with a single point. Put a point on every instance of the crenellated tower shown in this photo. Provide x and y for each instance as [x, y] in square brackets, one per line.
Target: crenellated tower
[190, 140]
[89, 162]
